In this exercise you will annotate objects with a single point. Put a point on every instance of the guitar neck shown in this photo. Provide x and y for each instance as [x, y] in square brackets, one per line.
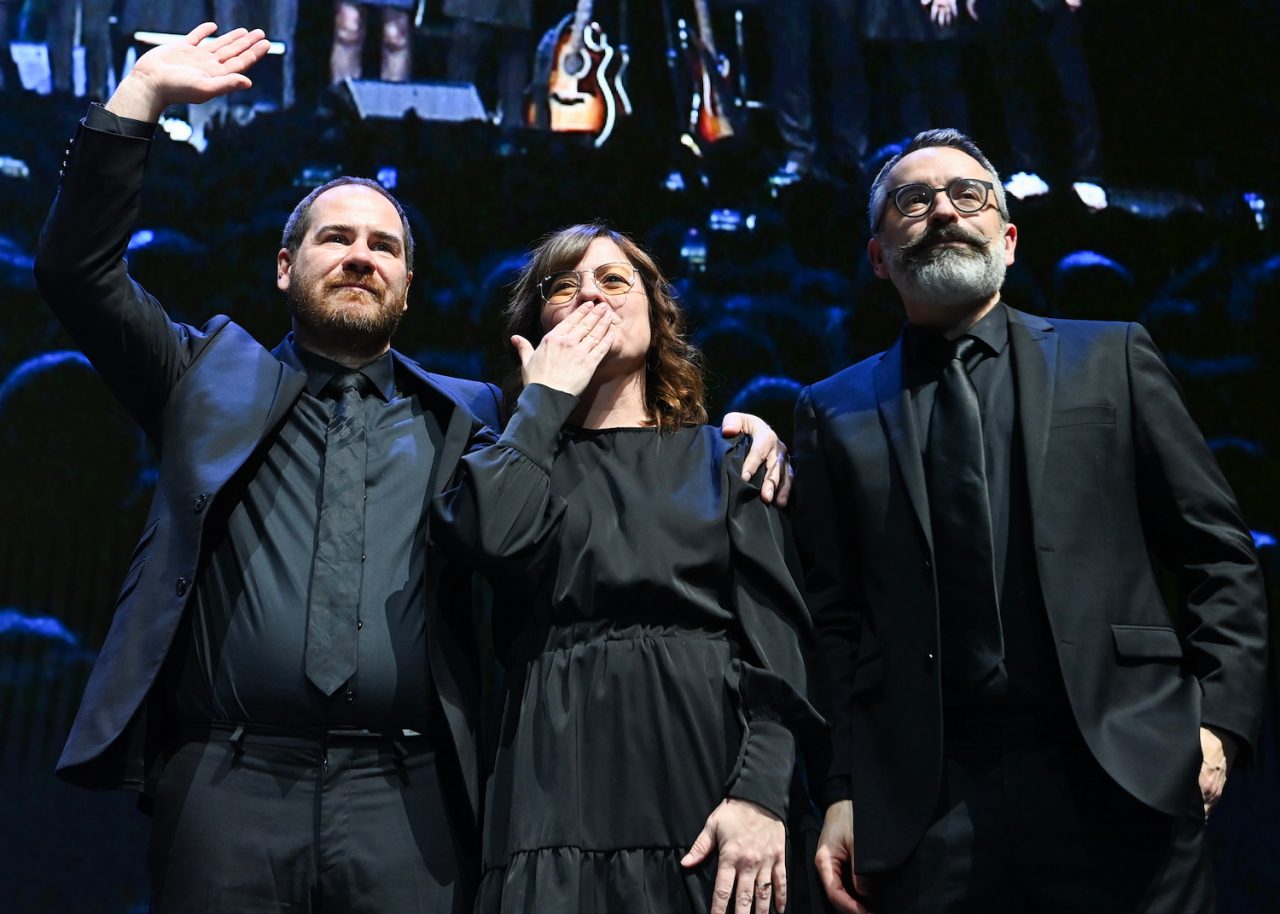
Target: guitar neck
[705, 35]
[581, 18]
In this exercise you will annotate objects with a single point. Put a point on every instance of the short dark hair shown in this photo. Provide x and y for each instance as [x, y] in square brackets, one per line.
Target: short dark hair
[926, 139]
[299, 222]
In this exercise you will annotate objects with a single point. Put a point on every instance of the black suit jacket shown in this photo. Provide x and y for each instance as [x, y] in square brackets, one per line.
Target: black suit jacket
[207, 397]
[1116, 471]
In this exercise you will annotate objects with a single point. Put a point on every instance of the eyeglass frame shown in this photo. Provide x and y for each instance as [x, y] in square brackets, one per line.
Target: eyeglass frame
[635, 274]
[892, 194]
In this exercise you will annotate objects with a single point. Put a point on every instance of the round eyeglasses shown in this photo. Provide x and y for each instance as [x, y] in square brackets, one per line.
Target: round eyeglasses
[610, 278]
[967, 195]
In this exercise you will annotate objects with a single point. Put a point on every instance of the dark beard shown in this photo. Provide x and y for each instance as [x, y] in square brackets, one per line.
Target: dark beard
[341, 331]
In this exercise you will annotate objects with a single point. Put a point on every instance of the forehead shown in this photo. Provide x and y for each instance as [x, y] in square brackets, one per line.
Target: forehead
[352, 204]
[936, 165]
[601, 250]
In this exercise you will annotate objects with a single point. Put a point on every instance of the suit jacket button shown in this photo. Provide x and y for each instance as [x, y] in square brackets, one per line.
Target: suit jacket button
[198, 503]
[929, 660]
[928, 565]
[182, 586]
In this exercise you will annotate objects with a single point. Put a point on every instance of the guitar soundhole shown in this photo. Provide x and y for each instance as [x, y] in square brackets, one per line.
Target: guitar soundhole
[576, 64]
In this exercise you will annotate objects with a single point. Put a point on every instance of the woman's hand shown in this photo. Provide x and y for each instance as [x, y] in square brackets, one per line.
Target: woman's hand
[752, 843]
[568, 355]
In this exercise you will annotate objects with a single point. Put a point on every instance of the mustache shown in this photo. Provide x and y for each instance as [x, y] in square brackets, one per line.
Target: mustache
[357, 284]
[919, 247]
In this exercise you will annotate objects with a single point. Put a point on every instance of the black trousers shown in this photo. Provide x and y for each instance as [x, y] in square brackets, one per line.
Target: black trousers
[817, 68]
[351, 825]
[1029, 822]
[1037, 58]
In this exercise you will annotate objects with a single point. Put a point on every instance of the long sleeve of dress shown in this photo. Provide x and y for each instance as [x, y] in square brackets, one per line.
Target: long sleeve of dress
[770, 681]
[498, 513]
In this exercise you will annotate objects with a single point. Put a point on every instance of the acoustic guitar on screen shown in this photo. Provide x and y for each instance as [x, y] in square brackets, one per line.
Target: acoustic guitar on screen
[712, 109]
[577, 84]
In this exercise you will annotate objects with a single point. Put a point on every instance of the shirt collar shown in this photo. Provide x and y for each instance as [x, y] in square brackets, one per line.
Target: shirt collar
[991, 332]
[320, 371]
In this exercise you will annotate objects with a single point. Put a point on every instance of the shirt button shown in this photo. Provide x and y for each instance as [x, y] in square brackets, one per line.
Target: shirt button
[929, 660]
[359, 624]
[198, 503]
[181, 587]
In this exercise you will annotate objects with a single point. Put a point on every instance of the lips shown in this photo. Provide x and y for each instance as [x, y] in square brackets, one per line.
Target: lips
[357, 286]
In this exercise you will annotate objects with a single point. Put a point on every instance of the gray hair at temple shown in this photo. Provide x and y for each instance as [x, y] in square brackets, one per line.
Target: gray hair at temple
[295, 229]
[926, 139]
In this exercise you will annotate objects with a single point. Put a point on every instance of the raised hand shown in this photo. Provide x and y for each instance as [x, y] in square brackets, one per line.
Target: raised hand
[752, 846]
[188, 71]
[569, 354]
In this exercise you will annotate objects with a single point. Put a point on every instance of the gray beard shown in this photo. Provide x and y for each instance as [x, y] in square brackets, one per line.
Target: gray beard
[947, 277]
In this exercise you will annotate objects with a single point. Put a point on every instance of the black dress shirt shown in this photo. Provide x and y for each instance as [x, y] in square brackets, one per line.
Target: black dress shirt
[1029, 679]
[239, 655]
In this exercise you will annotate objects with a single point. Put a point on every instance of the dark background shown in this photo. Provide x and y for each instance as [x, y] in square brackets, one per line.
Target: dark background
[1188, 95]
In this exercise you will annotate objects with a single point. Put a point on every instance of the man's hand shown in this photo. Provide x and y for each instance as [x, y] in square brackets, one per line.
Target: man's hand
[835, 855]
[766, 448]
[188, 71]
[570, 352]
[1219, 750]
[752, 844]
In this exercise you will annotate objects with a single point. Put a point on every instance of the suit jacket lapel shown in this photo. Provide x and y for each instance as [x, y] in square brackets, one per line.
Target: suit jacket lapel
[894, 402]
[1035, 356]
[455, 417]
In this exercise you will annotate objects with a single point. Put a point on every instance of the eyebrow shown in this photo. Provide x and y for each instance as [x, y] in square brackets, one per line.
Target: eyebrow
[376, 234]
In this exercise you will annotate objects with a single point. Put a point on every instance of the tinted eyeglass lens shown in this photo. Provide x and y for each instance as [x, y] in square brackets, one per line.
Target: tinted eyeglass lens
[614, 278]
[560, 287]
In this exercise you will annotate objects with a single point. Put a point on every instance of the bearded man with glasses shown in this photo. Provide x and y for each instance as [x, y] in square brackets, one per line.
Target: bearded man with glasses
[1020, 724]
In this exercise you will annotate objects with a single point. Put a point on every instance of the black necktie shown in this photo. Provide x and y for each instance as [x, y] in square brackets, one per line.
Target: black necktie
[960, 513]
[335, 575]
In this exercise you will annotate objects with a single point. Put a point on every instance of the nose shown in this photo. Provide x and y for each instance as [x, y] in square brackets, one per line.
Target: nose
[944, 210]
[588, 291]
[358, 258]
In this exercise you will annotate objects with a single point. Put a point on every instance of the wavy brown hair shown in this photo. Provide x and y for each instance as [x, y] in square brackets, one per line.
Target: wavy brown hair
[674, 389]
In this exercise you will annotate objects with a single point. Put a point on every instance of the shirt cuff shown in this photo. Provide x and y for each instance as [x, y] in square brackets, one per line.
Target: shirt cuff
[765, 767]
[99, 118]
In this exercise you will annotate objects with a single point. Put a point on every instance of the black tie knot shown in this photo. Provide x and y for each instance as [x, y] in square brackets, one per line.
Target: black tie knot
[966, 349]
[347, 380]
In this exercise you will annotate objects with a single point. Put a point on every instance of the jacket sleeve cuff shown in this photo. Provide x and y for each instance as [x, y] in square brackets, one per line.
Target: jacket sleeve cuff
[834, 790]
[100, 119]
